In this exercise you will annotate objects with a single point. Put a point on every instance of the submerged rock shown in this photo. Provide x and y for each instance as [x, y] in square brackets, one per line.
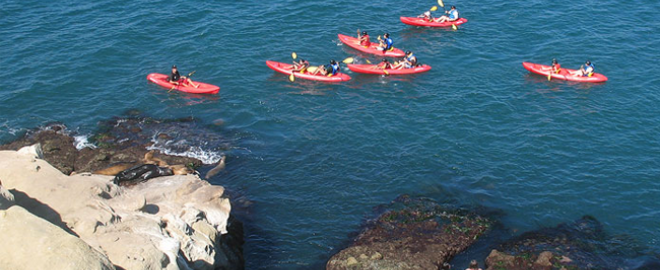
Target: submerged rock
[412, 234]
[577, 245]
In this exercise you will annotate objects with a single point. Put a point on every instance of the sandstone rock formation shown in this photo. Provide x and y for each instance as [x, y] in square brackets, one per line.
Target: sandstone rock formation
[173, 222]
[29, 242]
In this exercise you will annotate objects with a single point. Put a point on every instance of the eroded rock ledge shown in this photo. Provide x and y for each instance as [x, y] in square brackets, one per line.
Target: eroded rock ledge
[86, 222]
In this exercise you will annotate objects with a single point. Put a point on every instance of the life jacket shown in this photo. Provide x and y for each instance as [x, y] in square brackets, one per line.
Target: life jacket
[389, 42]
[412, 60]
[556, 68]
[335, 68]
[453, 14]
[591, 73]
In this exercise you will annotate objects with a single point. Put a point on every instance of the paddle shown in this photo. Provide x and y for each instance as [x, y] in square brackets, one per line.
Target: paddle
[291, 77]
[434, 8]
[348, 60]
[453, 26]
[441, 4]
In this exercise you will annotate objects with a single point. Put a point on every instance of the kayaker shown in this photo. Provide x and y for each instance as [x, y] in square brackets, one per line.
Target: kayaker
[586, 70]
[453, 15]
[384, 65]
[334, 67]
[410, 61]
[176, 79]
[556, 67]
[426, 16]
[364, 38]
[385, 44]
[300, 66]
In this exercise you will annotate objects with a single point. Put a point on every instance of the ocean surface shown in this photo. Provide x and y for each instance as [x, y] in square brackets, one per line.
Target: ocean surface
[309, 161]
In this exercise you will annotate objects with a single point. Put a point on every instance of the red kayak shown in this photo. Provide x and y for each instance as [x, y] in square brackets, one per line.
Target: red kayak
[286, 69]
[163, 80]
[372, 49]
[373, 69]
[422, 22]
[564, 73]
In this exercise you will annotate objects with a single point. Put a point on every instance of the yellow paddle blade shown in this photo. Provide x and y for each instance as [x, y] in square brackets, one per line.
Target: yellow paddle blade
[434, 8]
[292, 78]
[348, 60]
[386, 72]
[312, 69]
[441, 3]
[549, 77]
[294, 55]
[368, 62]
[453, 26]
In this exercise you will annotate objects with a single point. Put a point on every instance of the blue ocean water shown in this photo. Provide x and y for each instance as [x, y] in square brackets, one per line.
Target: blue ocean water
[314, 159]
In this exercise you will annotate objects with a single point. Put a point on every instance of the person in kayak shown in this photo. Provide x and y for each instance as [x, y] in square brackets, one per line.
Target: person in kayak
[384, 65]
[385, 44]
[586, 70]
[451, 16]
[426, 16]
[334, 67]
[556, 67]
[176, 79]
[300, 66]
[364, 38]
[410, 61]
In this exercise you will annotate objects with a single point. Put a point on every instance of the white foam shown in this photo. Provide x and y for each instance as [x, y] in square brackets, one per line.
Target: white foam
[207, 157]
[82, 141]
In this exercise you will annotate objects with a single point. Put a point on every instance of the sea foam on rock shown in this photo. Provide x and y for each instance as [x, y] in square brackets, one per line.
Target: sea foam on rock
[173, 222]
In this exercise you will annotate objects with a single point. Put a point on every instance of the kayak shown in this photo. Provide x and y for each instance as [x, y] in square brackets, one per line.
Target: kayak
[421, 22]
[564, 73]
[163, 80]
[286, 69]
[372, 69]
[372, 49]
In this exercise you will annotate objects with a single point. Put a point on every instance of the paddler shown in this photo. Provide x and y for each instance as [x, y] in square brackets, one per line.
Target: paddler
[452, 15]
[176, 79]
[385, 44]
[364, 38]
[556, 67]
[334, 65]
[586, 70]
[426, 16]
[300, 66]
[384, 65]
[410, 61]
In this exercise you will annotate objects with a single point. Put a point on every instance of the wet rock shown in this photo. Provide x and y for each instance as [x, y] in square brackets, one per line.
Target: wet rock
[412, 234]
[58, 148]
[119, 140]
[577, 245]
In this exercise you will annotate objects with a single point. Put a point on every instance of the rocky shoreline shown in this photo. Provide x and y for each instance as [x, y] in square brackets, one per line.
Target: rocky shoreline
[59, 204]
[55, 201]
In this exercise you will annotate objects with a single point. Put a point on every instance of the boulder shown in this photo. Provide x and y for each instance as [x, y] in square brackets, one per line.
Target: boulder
[415, 233]
[172, 222]
[29, 242]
